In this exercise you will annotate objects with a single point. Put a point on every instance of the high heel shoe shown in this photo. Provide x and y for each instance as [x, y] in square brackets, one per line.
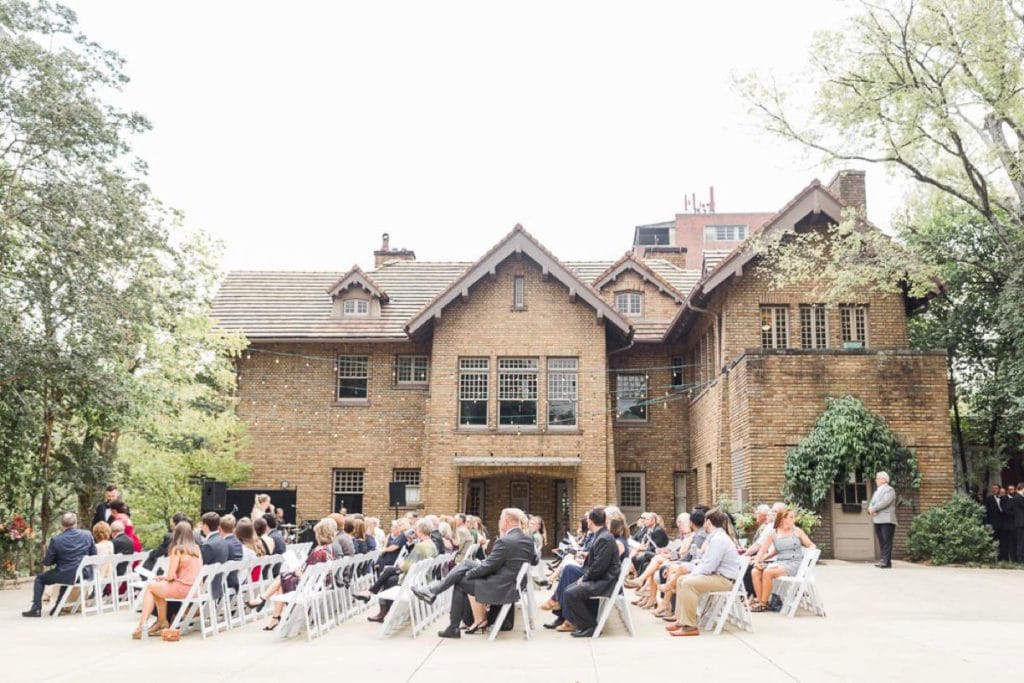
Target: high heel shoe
[253, 604]
[478, 628]
[274, 621]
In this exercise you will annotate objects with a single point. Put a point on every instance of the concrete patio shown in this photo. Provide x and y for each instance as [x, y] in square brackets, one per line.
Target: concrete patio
[910, 623]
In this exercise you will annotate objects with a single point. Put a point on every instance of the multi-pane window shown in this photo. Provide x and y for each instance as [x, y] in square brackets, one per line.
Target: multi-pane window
[774, 327]
[517, 391]
[411, 370]
[631, 491]
[411, 479]
[519, 292]
[348, 490]
[353, 376]
[853, 322]
[725, 233]
[813, 326]
[677, 371]
[356, 307]
[630, 303]
[631, 397]
[473, 391]
[563, 391]
[709, 355]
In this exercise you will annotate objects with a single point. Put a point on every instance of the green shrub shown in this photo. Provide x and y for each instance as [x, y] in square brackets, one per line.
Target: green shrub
[952, 532]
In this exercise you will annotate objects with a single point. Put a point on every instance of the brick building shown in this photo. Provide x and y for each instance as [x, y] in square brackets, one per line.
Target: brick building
[672, 376]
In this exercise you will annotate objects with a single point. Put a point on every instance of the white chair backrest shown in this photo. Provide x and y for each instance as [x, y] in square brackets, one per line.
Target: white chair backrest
[737, 584]
[808, 562]
[523, 579]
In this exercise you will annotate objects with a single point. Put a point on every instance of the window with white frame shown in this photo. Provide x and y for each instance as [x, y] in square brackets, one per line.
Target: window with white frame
[474, 375]
[411, 479]
[353, 377]
[631, 397]
[813, 326]
[630, 303]
[774, 327]
[356, 307]
[517, 391]
[563, 392]
[411, 370]
[853, 323]
[725, 233]
[519, 292]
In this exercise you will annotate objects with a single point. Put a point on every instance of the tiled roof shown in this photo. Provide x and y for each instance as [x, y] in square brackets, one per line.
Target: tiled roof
[712, 257]
[296, 305]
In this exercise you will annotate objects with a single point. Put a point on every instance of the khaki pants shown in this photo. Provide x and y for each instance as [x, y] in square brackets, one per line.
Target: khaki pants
[689, 588]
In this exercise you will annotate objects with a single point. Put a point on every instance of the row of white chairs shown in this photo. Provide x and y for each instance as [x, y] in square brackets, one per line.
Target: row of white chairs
[102, 583]
[406, 607]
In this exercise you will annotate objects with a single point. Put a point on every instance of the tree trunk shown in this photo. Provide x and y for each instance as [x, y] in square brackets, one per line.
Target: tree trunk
[957, 424]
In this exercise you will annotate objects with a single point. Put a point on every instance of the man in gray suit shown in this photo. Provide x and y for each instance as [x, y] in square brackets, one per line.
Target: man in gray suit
[883, 512]
[491, 582]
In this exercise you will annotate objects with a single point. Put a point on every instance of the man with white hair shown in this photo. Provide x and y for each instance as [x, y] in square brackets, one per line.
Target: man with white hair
[65, 552]
[883, 512]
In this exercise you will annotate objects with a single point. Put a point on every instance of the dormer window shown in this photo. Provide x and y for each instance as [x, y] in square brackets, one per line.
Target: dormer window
[356, 307]
[630, 303]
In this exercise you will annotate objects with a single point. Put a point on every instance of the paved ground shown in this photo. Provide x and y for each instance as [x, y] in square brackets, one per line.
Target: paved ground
[910, 623]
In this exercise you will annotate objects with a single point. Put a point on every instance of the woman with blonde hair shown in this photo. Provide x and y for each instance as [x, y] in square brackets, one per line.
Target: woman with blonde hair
[262, 506]
[286, 583]
[182, 570]
[104, 546]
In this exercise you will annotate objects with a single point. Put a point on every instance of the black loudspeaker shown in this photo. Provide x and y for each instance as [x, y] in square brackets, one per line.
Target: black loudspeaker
[396, 494]
[215, 495]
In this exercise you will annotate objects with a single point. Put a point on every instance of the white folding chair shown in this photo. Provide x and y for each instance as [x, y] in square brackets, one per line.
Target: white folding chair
[718, 607]
[198, 604]
[617, 600]
[801, 590]
[85, 591]
[231, 606]
[523, 589]
[402, 601]
[303, 601]
[125, 580]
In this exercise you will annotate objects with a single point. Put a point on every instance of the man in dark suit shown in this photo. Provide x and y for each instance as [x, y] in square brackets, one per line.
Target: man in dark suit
[275, 535]
[214, 549]
[64, 552]
[1018, 521]
[994, 511]
[234, 546]
[491, 582]
[103, 512]
[1007, 534]
[122, 544]
[600, 572]
[161, 550]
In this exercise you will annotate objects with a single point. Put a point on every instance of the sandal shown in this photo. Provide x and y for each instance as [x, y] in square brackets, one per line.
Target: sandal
[274, 621]
[758, 607]
[157, 628]
[478, 628]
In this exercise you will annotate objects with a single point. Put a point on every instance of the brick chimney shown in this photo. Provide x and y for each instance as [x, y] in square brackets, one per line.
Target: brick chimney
[386, 254]
[848, 185]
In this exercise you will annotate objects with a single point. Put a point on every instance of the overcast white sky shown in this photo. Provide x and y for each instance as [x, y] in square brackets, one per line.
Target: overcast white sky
[299, 132]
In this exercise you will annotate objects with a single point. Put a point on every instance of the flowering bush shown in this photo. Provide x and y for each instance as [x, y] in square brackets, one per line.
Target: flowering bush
[15, 536]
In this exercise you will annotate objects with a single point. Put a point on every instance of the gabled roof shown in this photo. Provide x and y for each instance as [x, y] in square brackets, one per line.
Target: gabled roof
[356, 277]
[813, 199]
[629, 262]
[517, 242]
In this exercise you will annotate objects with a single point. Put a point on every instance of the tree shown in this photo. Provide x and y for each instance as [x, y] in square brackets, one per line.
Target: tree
[847, 437]
[932, 90]
[95, 275]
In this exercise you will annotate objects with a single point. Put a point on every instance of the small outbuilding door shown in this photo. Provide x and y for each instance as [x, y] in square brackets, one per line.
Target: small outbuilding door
[852, 530]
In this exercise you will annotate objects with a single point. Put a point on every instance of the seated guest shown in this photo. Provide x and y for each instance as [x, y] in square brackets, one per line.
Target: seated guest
[119, 513]
[122, 544]
[182, 570]
[424, 549]
[718, 567]
[213, 548]
[393, 544]
[435, 533]
[361, 543]
[538, 533]
[104, 546]
[446, 536]
[373, 529]
[324, 532]
[64, 553]
[571, 575]
[654, 537]
[342, 543]
[161, 550]
[600, 572]
[252, 545]
[275, 535]
[765, 517]
[227, 532]
[672, 571]
[673, 552]
[262, 529]
[785, 547]
[491, 582]
[462, 537]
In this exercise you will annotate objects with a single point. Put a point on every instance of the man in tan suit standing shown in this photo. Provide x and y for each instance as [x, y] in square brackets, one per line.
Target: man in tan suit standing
[883, 513]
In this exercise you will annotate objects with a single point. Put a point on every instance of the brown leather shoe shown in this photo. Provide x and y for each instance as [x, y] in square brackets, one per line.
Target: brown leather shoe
[549, 605]
[673, 627]
[566, 627]
[686, 631]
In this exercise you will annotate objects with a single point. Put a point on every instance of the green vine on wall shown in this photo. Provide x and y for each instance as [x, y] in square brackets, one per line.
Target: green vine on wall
[845, 438]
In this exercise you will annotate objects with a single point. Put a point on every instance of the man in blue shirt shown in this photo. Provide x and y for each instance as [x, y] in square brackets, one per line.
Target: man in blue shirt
[718, 568]
[64, 553]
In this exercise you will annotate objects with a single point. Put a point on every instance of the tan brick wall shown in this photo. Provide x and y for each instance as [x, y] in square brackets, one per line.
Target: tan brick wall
[552, 325]
[786, 392]
[657, 304]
